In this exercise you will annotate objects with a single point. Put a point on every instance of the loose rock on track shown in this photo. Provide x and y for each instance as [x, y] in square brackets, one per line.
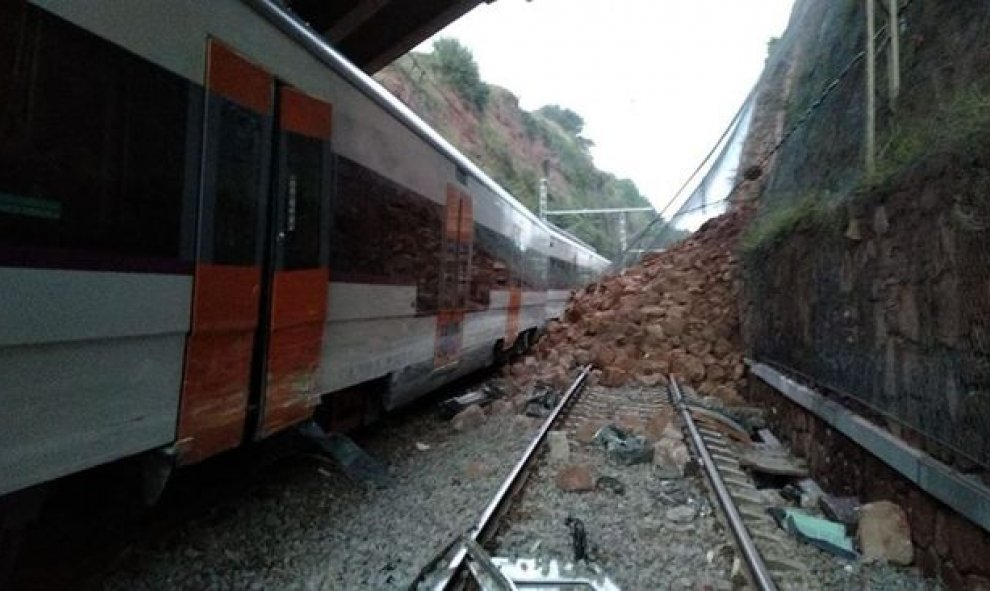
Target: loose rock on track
[672, 313]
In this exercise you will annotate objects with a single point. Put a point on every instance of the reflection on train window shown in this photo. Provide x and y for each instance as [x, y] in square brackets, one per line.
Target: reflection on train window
[305, 190]
[488, 271]
[562, 274]
[93, 141]
[239, 186]
[382, 232]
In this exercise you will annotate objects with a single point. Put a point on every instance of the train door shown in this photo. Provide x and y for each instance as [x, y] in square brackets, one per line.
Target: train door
[260, 284]
[227, 281]
[455, 277]
[294, 297]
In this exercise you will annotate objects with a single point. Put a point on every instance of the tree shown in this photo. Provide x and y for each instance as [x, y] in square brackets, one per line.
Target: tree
[456, 63]
[570, 121]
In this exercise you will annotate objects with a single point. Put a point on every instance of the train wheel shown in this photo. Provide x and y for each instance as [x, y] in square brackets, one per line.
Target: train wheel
[10, 543]
[17, 511]
[500, 355]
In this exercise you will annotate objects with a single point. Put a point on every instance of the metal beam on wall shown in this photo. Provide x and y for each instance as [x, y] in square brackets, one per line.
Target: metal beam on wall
[966, 496]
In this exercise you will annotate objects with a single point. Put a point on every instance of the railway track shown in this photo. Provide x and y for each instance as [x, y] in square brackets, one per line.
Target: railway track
[766, 556]
[761, 561]
[456, 569]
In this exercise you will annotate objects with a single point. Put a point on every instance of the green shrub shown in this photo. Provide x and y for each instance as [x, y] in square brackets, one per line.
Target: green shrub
[456, 64]
[961, 121]
[810, 212]
[567, 119]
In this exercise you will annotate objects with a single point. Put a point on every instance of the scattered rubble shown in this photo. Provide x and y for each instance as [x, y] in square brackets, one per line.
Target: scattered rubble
[471, 417]
[672, 313]
[842, 509]
[541, 401]
[671, 453]
[622, 447]
[586, 432]
[560, 447]
[681, 514]
[610, 484]
[479, 469]
[575, 478]
[821, 533]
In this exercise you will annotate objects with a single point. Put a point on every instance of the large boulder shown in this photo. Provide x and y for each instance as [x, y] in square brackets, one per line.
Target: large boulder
[884, 533]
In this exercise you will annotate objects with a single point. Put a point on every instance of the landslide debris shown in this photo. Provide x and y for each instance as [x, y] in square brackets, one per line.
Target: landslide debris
[674, 312]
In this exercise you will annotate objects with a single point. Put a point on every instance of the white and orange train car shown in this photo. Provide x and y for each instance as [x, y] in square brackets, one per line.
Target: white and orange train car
[211, 224]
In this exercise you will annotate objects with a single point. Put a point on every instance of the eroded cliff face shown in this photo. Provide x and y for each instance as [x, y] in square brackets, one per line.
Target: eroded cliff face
[518, 147]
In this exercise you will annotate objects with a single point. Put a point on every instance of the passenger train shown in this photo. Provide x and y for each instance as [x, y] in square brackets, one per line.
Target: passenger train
[212, 225]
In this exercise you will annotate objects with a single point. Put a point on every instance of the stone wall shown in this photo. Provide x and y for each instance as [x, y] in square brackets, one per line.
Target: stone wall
[946, 544]
[889, 301]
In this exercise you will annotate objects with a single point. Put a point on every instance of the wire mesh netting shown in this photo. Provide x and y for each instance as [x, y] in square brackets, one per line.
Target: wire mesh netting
[706, 194]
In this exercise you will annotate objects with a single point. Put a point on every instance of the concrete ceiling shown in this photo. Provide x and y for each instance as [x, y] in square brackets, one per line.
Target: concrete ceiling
[372, 33]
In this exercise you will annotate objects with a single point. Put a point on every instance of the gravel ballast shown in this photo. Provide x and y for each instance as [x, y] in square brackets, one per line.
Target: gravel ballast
[641, 541]
[663, 531]
[309, 527]
[312, 528]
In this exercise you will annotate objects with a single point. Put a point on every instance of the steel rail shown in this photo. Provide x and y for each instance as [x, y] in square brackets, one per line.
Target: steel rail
[486, 525]
[761, 576]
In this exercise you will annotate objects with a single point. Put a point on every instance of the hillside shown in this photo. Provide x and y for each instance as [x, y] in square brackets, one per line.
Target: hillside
[487, 124]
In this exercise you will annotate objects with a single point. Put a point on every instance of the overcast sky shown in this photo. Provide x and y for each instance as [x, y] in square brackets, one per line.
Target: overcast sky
[656, 81]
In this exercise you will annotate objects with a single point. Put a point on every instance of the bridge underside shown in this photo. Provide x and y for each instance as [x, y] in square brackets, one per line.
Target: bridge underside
[372, 33]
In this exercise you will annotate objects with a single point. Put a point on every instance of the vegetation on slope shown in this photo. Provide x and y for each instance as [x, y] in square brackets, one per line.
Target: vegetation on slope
[515, 146]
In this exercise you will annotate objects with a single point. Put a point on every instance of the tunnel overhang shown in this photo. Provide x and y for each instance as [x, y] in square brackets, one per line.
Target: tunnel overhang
[373, 33]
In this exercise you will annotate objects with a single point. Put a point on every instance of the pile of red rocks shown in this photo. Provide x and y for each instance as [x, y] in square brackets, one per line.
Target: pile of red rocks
[673, 313]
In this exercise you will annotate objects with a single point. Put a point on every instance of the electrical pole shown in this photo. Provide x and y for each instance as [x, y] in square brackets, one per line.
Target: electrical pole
[622, 232]
[894, 57]
[543, 198]
[871, 84]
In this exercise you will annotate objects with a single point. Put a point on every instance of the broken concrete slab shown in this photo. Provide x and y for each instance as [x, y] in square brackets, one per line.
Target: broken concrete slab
[767, 462]
[825, 534]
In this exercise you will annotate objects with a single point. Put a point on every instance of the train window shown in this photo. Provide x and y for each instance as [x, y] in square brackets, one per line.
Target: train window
[563, 274]
[239, 135]
[304, 184]
[487, 270]
[537, 269]
[366, 207]
[356, 245]
[413, 223]
[92, 140]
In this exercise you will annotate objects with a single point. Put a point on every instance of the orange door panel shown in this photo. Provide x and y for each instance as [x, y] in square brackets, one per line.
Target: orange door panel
[300, 278]
[455, 277]
[227, 280]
